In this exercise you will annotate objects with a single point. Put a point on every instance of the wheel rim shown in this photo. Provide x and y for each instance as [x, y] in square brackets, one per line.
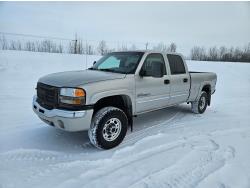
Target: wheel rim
[112, 129]
[202, 103]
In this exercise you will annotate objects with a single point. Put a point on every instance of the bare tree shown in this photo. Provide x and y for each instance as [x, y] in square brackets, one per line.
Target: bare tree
[172, 47]
[133, 47]
[19, 45]
[13, 45]
[222, 52]
[198, 53]
[90, 49]
[60, 48]
[102, 47]
[161, 47]
[79, 47]
[3, 43]
[124, 47]
[164, 48]
[28, 46]
[246, 53]
[213, 53]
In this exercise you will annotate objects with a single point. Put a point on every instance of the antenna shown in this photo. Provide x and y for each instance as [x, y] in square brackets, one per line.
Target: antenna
[146, 45]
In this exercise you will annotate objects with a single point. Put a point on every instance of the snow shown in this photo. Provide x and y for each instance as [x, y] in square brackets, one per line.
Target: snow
[169, 148]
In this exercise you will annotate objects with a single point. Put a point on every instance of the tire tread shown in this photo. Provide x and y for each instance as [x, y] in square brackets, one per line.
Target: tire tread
[195, 104]
[92, 132]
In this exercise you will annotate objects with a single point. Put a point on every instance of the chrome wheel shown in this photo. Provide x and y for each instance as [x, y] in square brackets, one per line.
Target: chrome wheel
[202, 102]
[112, 129]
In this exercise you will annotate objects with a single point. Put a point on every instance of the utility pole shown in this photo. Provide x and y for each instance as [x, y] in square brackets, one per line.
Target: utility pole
[75, 47]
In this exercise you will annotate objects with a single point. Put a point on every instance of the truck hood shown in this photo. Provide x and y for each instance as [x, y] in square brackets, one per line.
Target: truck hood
[77, 78]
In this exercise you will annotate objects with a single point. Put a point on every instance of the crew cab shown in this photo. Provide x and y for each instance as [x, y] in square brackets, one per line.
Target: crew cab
[121, 85]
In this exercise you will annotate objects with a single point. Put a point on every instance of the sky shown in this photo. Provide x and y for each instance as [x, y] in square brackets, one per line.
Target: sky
[187, 24]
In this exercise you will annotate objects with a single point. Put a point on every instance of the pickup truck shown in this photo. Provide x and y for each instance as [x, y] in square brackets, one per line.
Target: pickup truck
[105, 98]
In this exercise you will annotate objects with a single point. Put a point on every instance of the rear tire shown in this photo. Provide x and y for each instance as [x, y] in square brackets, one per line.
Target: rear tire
[108, 128]
[199, 107]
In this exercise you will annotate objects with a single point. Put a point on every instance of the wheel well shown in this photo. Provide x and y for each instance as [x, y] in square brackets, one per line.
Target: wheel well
[122, 102]
[207, 89]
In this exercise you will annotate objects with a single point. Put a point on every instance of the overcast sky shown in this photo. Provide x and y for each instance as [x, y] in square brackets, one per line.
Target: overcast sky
[185, 23]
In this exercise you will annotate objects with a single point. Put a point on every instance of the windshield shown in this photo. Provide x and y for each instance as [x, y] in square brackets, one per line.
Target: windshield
[119, 62]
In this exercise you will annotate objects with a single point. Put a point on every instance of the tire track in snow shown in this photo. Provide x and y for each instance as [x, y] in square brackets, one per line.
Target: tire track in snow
[80, 165]
[50, 157]
[120, 163]
[110, 170]
[148, 131]
[34, 155]
[201, 163]
[172, 122]
[198, 165]
[99, 168]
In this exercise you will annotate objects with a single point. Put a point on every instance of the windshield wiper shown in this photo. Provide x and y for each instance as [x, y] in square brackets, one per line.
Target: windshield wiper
[92, 68]
[108, 70]
[112, 70]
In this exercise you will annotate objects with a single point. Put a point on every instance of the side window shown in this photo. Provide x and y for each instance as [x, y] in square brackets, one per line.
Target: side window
[151, 58]
[176, 64]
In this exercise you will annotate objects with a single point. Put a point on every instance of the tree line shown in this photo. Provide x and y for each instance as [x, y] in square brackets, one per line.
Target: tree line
[35, 46]
[78, 46]
[221, 54]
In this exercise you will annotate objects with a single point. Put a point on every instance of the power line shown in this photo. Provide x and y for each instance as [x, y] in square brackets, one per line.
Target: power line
[35, 36]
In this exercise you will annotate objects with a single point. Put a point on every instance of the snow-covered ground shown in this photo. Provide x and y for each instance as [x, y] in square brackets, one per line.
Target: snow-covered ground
[169, 148]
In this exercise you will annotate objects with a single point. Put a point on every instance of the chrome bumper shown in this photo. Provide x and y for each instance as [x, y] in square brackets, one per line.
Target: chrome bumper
[64, 119]
[56, 112]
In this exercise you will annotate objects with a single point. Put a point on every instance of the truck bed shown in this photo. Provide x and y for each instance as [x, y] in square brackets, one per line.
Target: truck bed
[198, 80]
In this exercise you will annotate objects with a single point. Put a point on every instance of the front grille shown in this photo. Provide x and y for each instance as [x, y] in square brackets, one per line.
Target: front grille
[47, 96]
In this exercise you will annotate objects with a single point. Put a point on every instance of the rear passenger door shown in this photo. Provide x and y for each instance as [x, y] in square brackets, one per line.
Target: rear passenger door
[179, 80]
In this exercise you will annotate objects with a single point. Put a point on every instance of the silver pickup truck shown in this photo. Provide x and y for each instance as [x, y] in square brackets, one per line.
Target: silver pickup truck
[121, 85]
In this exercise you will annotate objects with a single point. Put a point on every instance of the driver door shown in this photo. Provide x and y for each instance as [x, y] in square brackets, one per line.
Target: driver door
[151, 92]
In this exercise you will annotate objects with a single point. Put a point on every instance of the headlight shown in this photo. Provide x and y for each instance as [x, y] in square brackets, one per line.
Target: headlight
[72, 96]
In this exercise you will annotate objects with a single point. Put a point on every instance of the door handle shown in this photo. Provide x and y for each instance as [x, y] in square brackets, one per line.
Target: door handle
[166, 81]
[185, 80]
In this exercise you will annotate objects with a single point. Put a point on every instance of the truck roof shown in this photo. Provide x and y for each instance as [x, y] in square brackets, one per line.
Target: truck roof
[150, 51]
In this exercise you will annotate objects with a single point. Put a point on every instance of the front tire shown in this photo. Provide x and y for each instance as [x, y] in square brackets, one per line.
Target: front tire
[108, 127]
[199, 107]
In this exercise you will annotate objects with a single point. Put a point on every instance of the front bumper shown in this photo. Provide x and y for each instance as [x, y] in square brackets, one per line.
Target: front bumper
[64, 119]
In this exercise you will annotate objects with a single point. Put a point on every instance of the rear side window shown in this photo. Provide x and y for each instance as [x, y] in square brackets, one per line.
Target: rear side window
[151, 58]
[176, 64]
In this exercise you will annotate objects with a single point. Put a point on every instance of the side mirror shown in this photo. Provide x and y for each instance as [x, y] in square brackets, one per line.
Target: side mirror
[94, 62]
[142, 73]
[157, 69]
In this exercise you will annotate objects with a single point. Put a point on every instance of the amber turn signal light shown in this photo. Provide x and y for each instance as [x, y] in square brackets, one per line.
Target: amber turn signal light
[79, 93]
